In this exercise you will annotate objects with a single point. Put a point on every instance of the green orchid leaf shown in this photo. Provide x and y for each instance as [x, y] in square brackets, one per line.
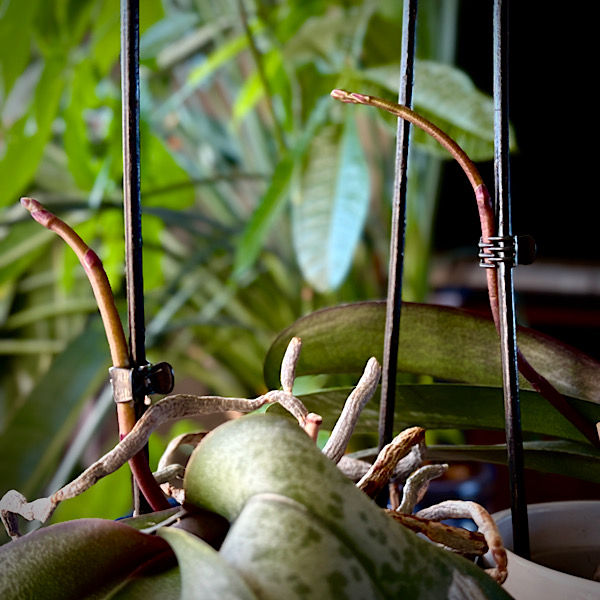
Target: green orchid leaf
[203, 524]
[329, 214]
[205, 574]
[447, 343]
[561, 457]
[165, 585]
[306, 560]
[79, 559]
[246, 461]
[451, 406]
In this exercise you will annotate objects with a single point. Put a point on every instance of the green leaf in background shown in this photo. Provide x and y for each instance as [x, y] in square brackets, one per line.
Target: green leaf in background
[80, 559]
[272, 202]
[26, 139]
[205, 574]
[444, 342]
[448, 97]
[21, 247]
[15, 50]
[34, 435]
[329, 213]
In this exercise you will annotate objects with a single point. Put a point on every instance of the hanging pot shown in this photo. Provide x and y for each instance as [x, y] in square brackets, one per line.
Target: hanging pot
[565, 552]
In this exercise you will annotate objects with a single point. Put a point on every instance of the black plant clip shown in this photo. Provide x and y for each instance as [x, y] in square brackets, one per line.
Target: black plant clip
[131, 383]
[513, 250]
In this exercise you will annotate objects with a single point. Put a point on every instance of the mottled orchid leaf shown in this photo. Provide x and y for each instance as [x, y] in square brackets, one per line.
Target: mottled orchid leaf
[447, 343]
[86, 558]
[253, 468]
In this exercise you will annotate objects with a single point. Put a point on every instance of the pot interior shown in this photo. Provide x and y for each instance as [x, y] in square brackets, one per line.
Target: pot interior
[564, 536]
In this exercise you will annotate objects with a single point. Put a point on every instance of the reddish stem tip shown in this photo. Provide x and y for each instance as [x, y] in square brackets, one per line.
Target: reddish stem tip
[341, 95]
[38, 212]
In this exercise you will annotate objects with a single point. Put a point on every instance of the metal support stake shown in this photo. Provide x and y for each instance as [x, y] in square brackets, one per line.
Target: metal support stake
[394, 295]
[130, 86]
[130, 95]
[508, 339]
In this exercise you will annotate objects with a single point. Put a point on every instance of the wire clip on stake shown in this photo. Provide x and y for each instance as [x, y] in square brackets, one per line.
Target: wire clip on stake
[128, 384]
[513, 250]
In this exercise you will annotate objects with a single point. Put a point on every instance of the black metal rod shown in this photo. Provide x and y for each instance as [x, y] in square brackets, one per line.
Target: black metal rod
[508, 338]
[130, 93]
[394, 295]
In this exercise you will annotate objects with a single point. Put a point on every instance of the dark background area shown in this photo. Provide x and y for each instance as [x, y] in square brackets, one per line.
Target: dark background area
[552, 104]
[554, 199]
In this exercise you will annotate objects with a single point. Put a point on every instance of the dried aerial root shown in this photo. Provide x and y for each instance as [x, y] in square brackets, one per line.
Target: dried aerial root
[383, 468]
[178, 406]
[171, 469]
[457, 539]
[457, 509]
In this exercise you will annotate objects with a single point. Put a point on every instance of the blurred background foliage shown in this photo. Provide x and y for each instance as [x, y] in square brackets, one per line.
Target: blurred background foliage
[263, 199]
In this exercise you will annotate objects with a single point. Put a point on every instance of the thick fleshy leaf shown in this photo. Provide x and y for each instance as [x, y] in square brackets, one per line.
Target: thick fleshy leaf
[444, 342]
[205, 574]
[264, 454]
[452, 406]
[165, 585]
[285, 551]
[559, 456]
[203, 524]
[79, 559]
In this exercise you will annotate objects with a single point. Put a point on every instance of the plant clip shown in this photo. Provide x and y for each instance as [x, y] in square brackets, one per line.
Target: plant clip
[131, 383]
[513, 250]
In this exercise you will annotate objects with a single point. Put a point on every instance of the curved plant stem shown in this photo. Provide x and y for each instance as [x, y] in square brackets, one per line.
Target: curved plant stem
[488, 228]
[114, 332]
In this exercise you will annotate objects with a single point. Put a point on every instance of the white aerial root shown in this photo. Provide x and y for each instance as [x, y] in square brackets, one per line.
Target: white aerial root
[416, 486]
[458, 509]
[364, 390]
[178, 406]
